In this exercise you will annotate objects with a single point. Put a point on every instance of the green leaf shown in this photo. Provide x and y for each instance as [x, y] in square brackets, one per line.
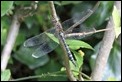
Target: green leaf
[76, 44]
[4, 29]
[24, 3]
[49, 69]
[57, 3]
[73, 44]
[5, 7]
[24, 55]
[5, 76]
[19, 40]
[3, 35]
[79, 57]
[10, 60]
[52, 37]
[70, 2]
[117, 21]
[79, 62]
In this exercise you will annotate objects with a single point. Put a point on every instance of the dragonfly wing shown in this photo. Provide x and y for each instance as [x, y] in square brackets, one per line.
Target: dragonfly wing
[45, 48]
[38, 39]
[67, 24]
[76, 18]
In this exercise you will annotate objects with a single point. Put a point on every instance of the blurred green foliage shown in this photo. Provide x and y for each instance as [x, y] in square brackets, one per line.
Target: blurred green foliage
[5, 75]
[6, 7]
[41, 21]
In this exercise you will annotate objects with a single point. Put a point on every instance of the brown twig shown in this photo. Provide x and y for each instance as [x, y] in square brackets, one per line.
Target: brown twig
[85, 33]
[12, 35]
[54, 15]
[104, 52]
[14, 29]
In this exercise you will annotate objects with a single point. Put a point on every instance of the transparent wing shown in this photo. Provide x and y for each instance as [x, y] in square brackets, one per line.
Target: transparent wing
[38, 39]
[41, 38]
[77, 19]
[45, 48]
[41, 44]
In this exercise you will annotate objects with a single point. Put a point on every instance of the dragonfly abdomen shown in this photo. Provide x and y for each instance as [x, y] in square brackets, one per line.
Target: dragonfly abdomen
[67, 48]
[71, 58]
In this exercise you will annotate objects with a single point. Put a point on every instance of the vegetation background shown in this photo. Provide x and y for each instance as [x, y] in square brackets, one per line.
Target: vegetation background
[22, 64]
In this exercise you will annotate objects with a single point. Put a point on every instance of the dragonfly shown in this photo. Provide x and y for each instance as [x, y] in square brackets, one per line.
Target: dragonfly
[44, 44]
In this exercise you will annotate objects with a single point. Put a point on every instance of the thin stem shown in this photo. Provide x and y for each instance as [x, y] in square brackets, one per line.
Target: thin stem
[57, 24]
[14, 29]
[83, 74]
[54, 74]
[85, 33]
[53, 11]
